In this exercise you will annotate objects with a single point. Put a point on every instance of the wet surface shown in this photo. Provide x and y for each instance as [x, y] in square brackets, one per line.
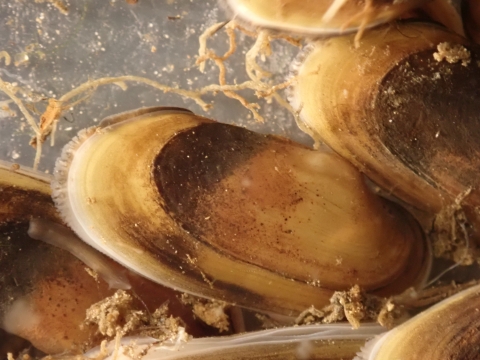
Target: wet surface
[52, 52]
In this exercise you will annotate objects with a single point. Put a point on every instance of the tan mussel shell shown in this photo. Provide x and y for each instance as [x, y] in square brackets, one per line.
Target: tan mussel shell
[222, 212]
[403, 108]
[448, 330]
[45, 289]
[319, 18]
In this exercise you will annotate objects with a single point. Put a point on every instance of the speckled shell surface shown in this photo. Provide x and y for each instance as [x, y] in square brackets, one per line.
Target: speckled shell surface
[222, 212]
[408, 121]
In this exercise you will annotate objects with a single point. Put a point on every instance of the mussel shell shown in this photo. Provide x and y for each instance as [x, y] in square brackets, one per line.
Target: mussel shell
[221, 212]
[448, 330]
[45, 290]
[312, 17]
[24, 193]
[408, 121]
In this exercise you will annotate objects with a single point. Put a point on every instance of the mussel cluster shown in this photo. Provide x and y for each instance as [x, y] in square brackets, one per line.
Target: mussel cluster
[160, 200]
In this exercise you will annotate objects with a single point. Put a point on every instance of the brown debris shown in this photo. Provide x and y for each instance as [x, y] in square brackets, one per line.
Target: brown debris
[92, 273]
[450, 236]
[310, 316]
[452, 53]
[211, 312]
[259, 78]
[356, 306]
[15, 167]
[117, 315]
[58, 4]
[353, 305]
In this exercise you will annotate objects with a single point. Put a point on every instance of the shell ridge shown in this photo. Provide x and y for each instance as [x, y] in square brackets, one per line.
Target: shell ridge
[371, 347]
[59, 183]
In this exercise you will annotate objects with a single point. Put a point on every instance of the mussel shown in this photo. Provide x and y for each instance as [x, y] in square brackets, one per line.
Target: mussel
[320, 18]
[448, 330]
[47, 289]
[335, 17]
[257, 220]
[192, 204]
[402, 107]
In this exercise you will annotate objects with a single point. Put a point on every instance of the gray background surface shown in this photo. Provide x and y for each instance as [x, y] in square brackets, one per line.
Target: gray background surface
[99, 38]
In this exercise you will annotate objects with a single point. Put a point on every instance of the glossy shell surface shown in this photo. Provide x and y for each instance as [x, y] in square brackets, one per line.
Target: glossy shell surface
[448, 330]
[192, 204]
[409, 121]
[319, 18]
